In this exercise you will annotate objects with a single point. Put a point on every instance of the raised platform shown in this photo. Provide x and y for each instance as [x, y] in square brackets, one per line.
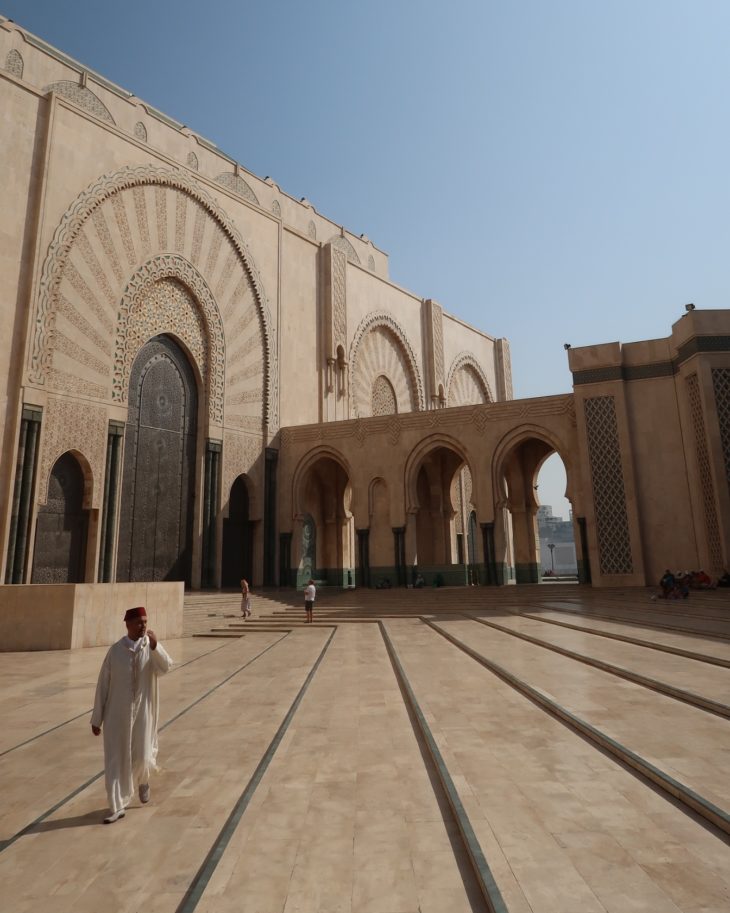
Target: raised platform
[69, 615]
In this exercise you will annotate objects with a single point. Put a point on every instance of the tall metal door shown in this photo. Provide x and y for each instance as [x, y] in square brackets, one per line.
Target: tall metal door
[60, 543]
[156, 515]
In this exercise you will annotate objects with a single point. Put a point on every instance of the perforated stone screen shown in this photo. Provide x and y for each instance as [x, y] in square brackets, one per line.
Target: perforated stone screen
[609, 494]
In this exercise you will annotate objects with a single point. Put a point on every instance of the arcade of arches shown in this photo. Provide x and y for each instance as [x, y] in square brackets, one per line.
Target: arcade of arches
[196, 387]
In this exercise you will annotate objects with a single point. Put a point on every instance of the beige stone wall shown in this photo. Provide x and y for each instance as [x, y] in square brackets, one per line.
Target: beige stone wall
[664, 500]
[110, 203]
[69, 616]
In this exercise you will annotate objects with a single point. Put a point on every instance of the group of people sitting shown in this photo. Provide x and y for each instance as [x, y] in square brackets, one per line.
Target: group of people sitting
[677, 586]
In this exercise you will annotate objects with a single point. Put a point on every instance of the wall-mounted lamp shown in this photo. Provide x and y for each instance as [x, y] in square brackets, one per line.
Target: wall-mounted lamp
[566, 346]
[689, 307]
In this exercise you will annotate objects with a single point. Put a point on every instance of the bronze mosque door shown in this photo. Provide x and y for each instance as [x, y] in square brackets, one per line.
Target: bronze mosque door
[156, 510]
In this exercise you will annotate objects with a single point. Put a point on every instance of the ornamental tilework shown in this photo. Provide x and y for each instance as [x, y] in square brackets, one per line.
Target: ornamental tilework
[607, 479]
[703, 463]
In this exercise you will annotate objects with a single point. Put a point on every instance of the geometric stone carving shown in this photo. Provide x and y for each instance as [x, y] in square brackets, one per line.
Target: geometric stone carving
[192, 161]
[380, 347]
[14, 63]
[158, 300]
[140, 131]
[276, 209]
[312, 230]
[467, 383]
[240, 452]
[119, 220]
[371, 263]
[237, 184]
[703, 463]
[82, 97]
[341, 243]
[79, 427]
[721, 383]
[607, 480]
[383, 397]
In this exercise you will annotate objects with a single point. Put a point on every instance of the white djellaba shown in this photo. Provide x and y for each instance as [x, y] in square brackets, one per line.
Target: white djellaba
[127, 707]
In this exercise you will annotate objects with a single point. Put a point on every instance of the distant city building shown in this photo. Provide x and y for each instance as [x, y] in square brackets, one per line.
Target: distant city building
[557, 532]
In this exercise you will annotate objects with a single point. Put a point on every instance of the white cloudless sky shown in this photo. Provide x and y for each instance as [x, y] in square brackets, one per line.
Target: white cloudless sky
[548, 171]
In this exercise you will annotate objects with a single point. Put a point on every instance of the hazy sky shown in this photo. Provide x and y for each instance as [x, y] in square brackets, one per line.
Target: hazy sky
[548, 171]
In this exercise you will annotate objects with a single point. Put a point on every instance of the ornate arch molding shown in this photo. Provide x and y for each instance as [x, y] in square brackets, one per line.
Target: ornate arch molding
[71, 225]
[521, 435]
[416, 458]
[200, 330]
[372, 322]
[303, 467]
[467, 360]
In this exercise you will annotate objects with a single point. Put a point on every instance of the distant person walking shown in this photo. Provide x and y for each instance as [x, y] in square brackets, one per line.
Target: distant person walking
[127, 707]
[310, 594]
[245, 599]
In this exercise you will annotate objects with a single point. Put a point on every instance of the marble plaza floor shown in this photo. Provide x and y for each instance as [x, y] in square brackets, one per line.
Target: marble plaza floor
[550, 749]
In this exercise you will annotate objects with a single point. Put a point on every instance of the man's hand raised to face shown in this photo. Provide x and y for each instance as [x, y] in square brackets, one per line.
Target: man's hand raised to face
[153, 640]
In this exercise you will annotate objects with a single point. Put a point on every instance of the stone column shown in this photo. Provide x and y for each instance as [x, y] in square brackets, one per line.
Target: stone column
[399, 549]
[25, 471]
[107, 548]
[363, 552]
[211, 498]
[272, 457]
[285, 559]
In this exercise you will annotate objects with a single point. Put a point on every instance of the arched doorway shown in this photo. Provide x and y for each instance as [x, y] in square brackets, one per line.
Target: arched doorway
[441, 505]
[155, 529]
[326, 547]
[237, 537]
[517, 533]
[60, 543]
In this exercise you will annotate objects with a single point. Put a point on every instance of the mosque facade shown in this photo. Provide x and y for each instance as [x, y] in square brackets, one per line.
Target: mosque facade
[205, 379]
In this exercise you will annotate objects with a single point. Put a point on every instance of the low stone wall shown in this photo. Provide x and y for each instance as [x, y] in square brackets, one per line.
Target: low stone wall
[69, 615]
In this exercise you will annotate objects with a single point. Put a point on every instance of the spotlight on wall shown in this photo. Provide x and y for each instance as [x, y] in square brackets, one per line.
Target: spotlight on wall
[689, 307]
[566, 346]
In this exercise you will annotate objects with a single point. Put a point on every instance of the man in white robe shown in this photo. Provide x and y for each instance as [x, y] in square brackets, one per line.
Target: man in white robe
[127, 707]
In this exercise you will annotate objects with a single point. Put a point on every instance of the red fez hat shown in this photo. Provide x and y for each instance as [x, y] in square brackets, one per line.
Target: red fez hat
[138, 612]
